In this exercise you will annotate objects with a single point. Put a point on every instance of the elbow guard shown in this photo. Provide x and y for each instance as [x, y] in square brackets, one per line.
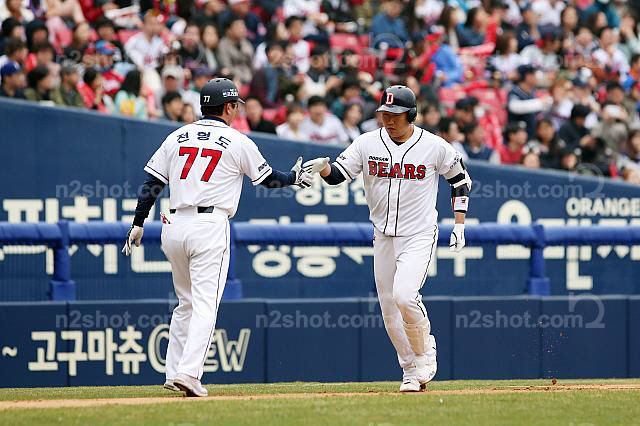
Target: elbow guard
[460, 183]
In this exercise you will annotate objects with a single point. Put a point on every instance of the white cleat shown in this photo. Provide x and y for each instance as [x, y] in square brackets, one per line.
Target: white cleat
[168, 384]
[427, 373]
[190, 385]
[411, 385]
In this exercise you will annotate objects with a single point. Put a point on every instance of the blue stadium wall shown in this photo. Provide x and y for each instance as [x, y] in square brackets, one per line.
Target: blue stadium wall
[326, 340]
[62, 164]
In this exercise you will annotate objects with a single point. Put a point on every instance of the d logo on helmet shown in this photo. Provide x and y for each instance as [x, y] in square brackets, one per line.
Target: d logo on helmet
[389, 100]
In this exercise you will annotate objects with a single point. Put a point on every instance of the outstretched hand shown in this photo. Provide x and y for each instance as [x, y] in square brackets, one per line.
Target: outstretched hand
[303, 178]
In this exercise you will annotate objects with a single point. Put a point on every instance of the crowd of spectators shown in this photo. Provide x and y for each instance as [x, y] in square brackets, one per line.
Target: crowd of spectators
[541, 83]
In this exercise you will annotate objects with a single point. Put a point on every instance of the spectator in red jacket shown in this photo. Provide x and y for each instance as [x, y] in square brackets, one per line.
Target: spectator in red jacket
[515, 140]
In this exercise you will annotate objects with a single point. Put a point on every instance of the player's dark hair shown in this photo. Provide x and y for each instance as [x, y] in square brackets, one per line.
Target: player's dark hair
[212, 111]
[132, 83]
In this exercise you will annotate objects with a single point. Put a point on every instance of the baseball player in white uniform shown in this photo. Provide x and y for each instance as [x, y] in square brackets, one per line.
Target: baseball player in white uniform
[401, 164]
[203, 163]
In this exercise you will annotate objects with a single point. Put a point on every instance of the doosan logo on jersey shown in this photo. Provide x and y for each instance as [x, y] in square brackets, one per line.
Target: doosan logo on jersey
[409, 171]
[371, 157]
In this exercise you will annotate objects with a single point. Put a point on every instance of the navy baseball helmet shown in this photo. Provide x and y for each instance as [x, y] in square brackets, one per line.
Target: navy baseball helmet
[219, 91]
[398, 99]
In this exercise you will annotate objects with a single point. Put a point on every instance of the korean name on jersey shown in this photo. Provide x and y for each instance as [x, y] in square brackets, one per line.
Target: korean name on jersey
[204, 163]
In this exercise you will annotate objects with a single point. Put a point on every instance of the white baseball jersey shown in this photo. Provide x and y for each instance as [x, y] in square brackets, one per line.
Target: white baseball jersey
[400, 181]
[204, 162]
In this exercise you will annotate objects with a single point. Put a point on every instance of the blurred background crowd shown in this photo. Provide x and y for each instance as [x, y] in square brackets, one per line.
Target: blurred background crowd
[541, 83]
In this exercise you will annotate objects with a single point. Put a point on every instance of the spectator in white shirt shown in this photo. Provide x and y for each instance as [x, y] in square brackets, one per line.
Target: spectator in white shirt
[290, 129]
[322, 127]
[147, 48]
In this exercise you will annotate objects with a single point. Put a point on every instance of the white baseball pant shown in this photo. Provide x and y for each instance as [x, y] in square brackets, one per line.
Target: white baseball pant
[400, 268]
[197, 245]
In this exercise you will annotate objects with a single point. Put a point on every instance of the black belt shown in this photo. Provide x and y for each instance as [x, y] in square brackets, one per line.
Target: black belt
[209, 209]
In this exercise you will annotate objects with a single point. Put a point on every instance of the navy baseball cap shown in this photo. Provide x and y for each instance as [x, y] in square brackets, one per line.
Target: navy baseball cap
[10, 68]
[525, 69]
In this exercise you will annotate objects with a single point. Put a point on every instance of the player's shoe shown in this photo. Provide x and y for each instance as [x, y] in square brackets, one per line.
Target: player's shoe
[190, 385]
[168, 384]
[426, 372]
[411, 384]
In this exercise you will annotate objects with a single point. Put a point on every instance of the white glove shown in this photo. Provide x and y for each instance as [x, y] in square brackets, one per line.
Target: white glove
[303, 179]
[133, 236]
[315, 166]
[457, 238]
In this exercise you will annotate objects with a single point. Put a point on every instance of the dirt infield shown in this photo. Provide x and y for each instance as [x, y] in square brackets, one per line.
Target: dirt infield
[70, 403]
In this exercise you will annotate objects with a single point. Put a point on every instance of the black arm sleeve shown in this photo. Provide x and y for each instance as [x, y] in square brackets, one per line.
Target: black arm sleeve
[335, 177]
[278, 179]
[151, 188]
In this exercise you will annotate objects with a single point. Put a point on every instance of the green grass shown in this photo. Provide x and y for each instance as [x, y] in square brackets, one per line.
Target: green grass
[568, 407]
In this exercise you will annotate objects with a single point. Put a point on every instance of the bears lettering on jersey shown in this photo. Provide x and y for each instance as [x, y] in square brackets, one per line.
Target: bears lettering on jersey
[410, 171]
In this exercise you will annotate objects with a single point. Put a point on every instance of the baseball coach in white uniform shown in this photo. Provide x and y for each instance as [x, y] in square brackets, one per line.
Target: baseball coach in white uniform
[203, 163]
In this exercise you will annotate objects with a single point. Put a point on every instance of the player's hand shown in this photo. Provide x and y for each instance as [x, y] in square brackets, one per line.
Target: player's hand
[133, 236]
[316, 165]
[457, 238]
[303, 179]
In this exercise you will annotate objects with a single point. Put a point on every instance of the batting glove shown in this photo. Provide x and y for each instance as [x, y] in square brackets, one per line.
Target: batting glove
[133, 236]
[315, 166]
[303, 179]
[457, 238]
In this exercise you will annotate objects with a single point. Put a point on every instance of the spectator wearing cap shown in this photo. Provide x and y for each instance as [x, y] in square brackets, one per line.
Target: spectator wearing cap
[300, 47]
[528, 31]
[388, 27]
[172, 105]
[12, 81]
[172, 79]
[235, 52]
[146, 48]
[92, 92]
[257, 123]
[449, 131]
[321, 127]
[104, 57]
[319, 80]
[66, 94]
[473, 31]
[522, 103]
[609, 57]
[574, 132]
[290, 129]
[15, 9]
[128, 100]
[543, 55]
[548, 144]
[515, 139]
[192, 96]
[40, 85]
[351, 120]
[474, 144]
[241, 9]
